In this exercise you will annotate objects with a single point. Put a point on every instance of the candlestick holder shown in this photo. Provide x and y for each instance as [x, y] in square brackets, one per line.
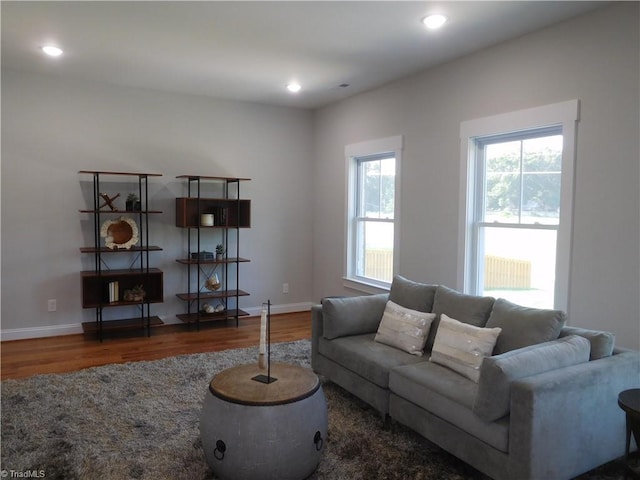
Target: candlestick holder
[265, 345]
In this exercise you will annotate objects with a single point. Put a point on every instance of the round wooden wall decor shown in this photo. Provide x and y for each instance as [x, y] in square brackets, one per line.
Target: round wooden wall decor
[120, 233]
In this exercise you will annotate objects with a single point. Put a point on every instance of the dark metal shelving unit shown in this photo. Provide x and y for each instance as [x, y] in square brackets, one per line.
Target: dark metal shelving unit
[231, 214]
[95, 283]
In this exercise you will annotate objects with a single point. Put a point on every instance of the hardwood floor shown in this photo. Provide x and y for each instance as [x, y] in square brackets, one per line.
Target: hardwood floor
[23, 358]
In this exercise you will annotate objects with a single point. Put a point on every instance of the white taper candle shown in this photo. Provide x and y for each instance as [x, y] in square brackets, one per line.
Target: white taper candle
[263, 331]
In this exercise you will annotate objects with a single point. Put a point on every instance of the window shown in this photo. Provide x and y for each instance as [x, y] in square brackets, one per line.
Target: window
[518, 199]
[372, 215]
[518, 189]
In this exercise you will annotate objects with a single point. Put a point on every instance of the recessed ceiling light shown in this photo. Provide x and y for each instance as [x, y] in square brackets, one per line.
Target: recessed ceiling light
[52, 51]
[434, 21]
[293, 87]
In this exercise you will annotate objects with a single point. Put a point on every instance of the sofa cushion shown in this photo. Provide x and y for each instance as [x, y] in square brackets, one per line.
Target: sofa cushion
[493, 400]
[465, 308]
[450, 396]
[462, 347]
[404, 328]
[413, 295]
[371, 360]
[524, 326]
[352, 315]
[602, 343]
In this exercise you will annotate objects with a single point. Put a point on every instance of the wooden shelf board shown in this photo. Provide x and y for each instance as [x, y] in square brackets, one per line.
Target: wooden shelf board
[128, 212]
[212, 295]
[212, 317]
[133, 174]
[214, 227]
[215, 199]
[121, 272]
[121, 303]
[190, 261]
[222, 179]
[123, 324]
[150, 248]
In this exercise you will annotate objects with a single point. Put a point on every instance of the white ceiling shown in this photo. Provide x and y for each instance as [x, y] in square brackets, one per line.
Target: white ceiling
[250, 50]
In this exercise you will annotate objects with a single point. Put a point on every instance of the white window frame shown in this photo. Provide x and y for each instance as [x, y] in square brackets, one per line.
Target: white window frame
[563, 114]
[389, 145]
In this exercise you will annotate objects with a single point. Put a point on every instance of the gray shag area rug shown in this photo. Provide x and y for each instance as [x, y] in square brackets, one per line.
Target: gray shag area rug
[141, 421]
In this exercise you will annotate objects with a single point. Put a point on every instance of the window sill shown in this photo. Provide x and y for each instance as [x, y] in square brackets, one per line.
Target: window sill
[363, 286]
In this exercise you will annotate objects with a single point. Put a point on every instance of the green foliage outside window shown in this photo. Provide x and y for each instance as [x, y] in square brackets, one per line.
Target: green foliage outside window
[523, 180]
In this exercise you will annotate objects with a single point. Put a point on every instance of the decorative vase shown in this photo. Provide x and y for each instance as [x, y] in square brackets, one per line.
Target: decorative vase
[213, 282]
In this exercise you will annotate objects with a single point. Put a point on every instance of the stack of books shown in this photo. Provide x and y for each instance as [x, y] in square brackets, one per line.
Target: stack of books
[114, 292]
[220, 216]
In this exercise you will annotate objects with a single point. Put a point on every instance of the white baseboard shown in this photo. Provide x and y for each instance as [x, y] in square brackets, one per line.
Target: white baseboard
[286, 308]
[75, 328]
[39, 332]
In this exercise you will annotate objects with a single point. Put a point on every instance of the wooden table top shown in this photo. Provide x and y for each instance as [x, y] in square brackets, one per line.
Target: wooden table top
[629, 401]
[236, 384]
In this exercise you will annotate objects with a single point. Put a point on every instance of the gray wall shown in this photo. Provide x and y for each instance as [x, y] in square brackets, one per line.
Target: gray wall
[593, 58]
[52, 127]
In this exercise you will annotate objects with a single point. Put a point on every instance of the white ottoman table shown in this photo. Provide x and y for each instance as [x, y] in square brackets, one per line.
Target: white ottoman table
[252, 430]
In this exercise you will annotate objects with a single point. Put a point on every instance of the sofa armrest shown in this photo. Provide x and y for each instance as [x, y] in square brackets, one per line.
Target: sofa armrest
[344, 316]
[316, 331]
[567, 421]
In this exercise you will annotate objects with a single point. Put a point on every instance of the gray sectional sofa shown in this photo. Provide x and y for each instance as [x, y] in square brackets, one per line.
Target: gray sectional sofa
[539, 403]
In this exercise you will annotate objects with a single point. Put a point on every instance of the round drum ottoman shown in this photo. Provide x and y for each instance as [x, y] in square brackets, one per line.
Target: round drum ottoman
[255, 430]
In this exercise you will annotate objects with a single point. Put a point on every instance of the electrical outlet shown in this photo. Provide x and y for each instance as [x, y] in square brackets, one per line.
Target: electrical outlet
[285, 288]
[52, 305]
